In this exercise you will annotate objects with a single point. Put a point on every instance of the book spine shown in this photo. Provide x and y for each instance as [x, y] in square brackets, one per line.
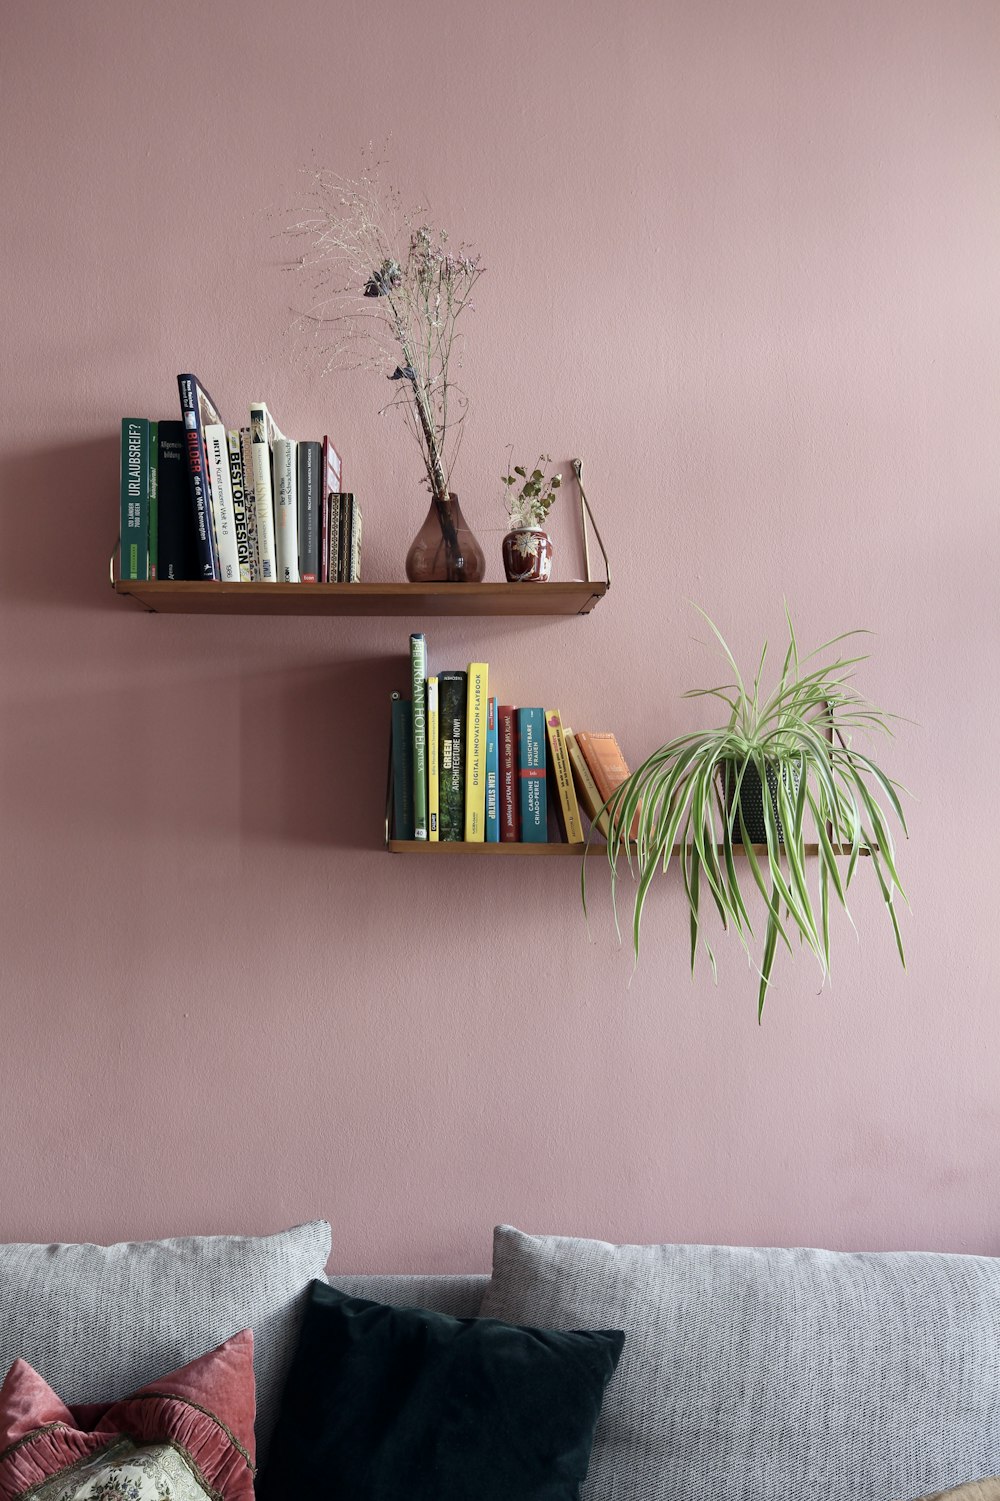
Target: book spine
[286, 514]
[325, 502]
[344, 542]
[175, 519]
[418, 683]
[250, 503]
[333, 560]
[510, 811]
[492, 774]
[475, 753]
[585, 785]
[153, 528]
[452, 709]
[135, 498]
[569, 808]
[356, 520]
[330, 472]
[239, 505]
[221, 491]
[310, 455]
[531, 775]
[261, 437]
[402, 768]
[207, 557]
[433, 762]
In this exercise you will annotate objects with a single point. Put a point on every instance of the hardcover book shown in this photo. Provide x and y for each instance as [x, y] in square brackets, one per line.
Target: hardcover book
[263, 432]
[402, 768]
[239, 504]
[153, 525]
[451, 707]
[330, 482]
[286, 512]
[354, 566]
[309, 459]
[562, 775]
[475, 753]
[492, 774]
[531, 775]
[250, 503]
[135, 498]
[510, 809]
[198, 409]
[221, 493]
[607, 765]
[586, 787]
[175, 518]
[418, 683]
[333, 539]
[345, 550]
[433, 762]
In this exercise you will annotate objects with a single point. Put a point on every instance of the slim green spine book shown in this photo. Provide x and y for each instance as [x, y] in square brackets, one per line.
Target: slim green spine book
[154, 501]
[418, 678]
[135, 498]
[451, 787]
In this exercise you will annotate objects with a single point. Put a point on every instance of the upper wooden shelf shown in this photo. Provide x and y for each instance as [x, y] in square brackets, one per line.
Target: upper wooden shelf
[463, 847]
[193, 597]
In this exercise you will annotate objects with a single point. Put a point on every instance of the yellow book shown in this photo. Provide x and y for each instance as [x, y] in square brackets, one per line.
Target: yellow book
[585, 785]
[475, 752]
[433, 763]
[569, 808]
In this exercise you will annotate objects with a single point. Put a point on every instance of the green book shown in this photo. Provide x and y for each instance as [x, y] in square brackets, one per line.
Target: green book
[135, 498]
[418, 678]
[451, 759]
[154, 501]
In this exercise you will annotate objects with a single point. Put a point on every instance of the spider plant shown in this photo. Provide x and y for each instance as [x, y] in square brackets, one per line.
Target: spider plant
[788, 759]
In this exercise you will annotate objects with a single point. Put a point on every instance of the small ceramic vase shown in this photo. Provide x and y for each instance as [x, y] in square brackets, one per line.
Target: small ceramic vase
[527, 556]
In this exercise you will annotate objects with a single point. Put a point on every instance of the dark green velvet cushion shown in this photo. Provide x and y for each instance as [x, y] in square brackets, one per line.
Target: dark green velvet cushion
[401, 1404]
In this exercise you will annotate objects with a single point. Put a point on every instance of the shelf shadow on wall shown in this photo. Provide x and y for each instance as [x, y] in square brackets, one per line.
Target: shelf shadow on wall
[314, 745]
[59, 517]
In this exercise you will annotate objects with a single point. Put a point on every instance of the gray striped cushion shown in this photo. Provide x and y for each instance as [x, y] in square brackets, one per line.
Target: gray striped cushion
[765, 1375]
[100, 1321]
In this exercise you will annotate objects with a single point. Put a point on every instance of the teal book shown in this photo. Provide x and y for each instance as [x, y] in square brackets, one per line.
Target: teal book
[531, 775]
[451, 755]
[135, 498]
[418, 681]
[154, 501]
[402, 768]
[492, 774]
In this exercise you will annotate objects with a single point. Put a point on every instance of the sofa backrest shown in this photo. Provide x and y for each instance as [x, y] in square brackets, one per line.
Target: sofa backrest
[457, 1295]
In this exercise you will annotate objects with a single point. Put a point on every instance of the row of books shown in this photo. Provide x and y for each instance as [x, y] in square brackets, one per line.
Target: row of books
[203, 501]
[466, 767]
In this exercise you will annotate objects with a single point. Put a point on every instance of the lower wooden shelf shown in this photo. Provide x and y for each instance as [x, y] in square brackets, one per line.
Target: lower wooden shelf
[464, 847]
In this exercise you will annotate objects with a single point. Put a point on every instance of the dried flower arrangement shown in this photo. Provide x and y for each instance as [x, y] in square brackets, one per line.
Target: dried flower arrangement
[388, 291]
[529, 506]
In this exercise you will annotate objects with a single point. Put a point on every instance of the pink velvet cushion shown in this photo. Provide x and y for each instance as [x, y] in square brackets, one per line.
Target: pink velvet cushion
[195, 1425]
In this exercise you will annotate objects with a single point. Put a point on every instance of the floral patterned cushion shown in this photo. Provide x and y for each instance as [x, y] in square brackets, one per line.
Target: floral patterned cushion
[186, 1437]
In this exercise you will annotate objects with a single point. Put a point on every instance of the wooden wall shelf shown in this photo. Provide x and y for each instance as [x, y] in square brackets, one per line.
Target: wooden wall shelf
[461, 847]
[193, 597]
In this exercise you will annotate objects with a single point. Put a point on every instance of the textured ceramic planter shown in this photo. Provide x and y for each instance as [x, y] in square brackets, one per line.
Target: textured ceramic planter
[527, 556]
[751, 797]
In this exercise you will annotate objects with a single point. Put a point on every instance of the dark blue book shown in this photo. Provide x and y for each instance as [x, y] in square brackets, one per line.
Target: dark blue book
[492, 774]
[402, 768]
[196, 407]
[175, 522]
[531, 775]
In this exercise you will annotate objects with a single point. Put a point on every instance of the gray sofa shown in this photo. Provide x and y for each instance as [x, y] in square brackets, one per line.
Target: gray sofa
[747, 1375]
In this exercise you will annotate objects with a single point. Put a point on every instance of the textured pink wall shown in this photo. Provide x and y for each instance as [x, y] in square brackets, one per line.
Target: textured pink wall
[743, 258]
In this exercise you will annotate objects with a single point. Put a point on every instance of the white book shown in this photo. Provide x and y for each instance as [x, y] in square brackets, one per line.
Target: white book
[286, 510]
[246, 456]
[262, 435]
[223, 515]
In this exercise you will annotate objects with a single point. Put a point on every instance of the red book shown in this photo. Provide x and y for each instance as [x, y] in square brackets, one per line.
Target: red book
[510, 812]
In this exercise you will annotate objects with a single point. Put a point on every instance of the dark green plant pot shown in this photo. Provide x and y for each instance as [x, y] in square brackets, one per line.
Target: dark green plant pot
[751, 802]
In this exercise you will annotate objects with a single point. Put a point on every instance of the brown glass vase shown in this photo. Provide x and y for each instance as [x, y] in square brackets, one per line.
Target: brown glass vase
[444, 551]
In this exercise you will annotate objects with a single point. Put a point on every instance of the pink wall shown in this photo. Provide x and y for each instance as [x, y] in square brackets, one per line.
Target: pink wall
[743, 258]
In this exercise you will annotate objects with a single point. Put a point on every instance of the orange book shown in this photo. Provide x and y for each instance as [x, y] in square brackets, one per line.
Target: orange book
[602, 754]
